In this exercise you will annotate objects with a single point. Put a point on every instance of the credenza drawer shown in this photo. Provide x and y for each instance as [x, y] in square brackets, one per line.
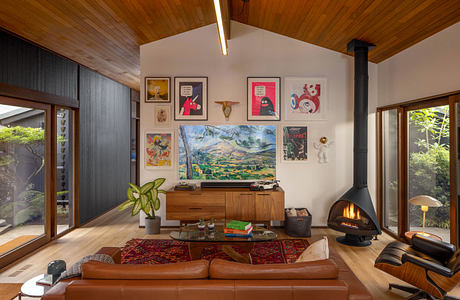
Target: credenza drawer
[193, 205]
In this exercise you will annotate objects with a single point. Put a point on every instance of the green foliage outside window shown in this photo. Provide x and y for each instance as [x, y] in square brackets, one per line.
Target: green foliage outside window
[429, 164]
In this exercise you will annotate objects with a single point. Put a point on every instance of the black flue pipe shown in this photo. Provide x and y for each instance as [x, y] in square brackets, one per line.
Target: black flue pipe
[361, 50]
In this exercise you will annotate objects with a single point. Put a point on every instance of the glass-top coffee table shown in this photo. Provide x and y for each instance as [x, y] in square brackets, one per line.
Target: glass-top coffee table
[201, 239]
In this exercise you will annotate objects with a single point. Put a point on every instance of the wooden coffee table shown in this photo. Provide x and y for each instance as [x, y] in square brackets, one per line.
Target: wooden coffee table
[198, 240]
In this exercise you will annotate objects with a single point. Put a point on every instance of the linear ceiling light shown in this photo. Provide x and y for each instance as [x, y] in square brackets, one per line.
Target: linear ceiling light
[220, 27]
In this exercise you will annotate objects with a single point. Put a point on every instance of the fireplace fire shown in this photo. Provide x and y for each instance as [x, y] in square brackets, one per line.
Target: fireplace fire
[349, 212]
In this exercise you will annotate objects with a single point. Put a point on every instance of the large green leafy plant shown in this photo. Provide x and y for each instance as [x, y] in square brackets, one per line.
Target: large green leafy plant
[144, 198]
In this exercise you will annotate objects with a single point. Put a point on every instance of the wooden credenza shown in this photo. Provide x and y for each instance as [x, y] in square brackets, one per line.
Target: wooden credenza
[225, 203]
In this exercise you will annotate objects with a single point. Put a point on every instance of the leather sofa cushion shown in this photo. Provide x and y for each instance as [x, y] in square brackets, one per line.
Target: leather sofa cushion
[321, 269]
[196, 269]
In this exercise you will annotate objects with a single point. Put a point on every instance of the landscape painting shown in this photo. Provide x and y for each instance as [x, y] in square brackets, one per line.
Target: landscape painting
[227, 152]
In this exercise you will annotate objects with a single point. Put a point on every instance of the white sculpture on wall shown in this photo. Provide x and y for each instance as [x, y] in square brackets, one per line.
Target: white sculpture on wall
[323, 149]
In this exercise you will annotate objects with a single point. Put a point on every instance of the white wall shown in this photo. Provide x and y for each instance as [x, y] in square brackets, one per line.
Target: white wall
[428, 68]
[255, 52]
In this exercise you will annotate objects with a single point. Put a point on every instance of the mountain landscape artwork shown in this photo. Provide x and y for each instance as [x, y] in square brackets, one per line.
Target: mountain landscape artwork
[227, 152]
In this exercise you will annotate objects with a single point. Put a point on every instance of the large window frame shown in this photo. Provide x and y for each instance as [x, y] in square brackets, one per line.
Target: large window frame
[450, 99]
[16, 96]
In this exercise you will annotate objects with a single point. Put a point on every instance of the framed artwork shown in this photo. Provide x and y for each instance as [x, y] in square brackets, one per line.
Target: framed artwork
[295, 144]
[162, 116]
[305, 98]
[157, 89]
[264, 97]
[159, 146]
[191, 98]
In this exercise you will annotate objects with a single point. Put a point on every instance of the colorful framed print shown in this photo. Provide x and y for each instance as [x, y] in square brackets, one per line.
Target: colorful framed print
[264, 98]
[158, 149]
[295, 144]
[162, 116]
[305, 98]
[191, 98]
[157, 89]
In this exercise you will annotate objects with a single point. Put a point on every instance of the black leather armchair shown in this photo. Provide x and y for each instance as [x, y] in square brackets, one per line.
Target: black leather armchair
[431, 266]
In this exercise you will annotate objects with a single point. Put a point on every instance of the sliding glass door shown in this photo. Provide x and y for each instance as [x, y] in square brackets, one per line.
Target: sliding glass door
[417, 157]
[24, 174]
[37, 175]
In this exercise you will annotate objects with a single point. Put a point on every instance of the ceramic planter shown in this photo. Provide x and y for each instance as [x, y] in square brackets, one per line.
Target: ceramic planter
[152, 226]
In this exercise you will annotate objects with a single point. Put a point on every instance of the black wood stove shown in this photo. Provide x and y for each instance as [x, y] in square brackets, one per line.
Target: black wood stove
[354, 212]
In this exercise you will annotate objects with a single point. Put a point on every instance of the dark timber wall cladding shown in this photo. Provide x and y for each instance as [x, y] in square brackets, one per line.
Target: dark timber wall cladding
[104, 143]
[28, 66]
[104, 118]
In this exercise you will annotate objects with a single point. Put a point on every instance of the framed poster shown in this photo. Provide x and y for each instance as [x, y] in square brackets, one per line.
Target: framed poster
[295, 144]
[306, 98]
[162, 116]
[191, 98]
[264, 98]
[157, 89]
[158, 149]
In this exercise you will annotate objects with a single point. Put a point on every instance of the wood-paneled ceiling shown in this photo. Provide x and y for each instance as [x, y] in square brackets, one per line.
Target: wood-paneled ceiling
[105, 34]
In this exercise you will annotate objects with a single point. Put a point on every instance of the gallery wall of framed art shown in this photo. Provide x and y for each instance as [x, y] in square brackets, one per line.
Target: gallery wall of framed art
[260, 54]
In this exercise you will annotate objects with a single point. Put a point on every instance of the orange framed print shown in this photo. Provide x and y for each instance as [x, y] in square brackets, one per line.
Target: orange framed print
[157, 89]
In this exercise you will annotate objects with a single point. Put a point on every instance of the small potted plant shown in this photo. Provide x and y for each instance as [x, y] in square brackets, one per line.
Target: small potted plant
[146, 198]
[201, 225]
[211, 224]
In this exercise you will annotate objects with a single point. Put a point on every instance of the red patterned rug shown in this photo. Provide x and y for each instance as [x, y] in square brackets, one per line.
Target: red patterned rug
[140, 251]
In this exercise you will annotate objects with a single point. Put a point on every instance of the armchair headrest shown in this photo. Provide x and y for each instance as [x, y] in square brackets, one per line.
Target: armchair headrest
[441, 251]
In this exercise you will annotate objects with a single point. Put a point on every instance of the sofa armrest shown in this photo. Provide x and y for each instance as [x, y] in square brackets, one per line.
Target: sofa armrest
[57, 292]
[114, 252]
[426, 264]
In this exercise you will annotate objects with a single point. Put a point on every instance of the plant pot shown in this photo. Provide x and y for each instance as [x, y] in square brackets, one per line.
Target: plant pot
[152, 226]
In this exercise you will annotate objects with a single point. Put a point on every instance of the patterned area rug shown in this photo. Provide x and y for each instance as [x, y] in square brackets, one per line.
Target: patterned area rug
[140, 251]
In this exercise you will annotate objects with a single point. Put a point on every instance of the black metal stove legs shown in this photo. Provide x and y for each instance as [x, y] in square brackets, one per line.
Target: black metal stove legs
[354, 240]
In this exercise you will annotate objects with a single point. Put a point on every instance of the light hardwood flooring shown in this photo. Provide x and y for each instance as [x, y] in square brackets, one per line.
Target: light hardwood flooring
[115, 228]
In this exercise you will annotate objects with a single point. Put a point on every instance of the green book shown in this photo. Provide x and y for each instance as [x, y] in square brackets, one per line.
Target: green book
[240, 225]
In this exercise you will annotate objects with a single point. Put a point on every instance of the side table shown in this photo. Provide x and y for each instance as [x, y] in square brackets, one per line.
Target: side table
[31, 289]
[409, 235]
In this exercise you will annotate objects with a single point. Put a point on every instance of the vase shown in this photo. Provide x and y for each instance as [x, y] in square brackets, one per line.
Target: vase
[152, 226]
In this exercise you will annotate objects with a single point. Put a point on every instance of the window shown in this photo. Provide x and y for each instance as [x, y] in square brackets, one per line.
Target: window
[390, 169]
[415, 158]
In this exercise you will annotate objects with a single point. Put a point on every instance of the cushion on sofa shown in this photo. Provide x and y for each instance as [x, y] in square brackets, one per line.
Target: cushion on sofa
[317, 251]
[196, 269]
[75, 269]
[321, 269]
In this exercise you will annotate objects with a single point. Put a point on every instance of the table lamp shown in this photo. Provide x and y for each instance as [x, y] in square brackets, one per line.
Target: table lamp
[425, 201]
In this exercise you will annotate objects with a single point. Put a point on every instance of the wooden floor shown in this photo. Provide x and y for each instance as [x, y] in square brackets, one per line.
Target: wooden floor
[115, 228]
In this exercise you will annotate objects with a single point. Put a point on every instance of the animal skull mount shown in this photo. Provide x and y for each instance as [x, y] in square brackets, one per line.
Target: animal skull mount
[226, 107]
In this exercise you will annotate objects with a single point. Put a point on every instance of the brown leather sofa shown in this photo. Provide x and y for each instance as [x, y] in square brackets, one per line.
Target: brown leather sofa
[218, 279]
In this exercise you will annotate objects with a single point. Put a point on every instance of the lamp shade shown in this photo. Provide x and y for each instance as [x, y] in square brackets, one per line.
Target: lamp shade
[424, 200]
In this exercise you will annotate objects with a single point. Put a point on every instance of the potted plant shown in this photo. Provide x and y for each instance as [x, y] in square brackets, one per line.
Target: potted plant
[145, 198]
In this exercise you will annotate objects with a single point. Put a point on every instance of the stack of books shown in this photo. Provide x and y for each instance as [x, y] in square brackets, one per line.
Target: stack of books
[238, 229]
